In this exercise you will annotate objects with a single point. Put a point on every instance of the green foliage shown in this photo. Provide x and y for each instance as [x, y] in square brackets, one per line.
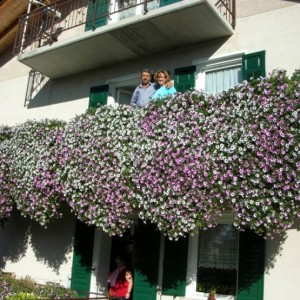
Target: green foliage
[26, 288]
[180, 162]
[22, 295]
[296, 76]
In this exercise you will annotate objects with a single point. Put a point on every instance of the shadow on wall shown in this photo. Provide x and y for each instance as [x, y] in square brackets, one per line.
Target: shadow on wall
[274, 251]
[14, 238]
[276, 246]
[51, 245]
[42, 91]
[6, 56]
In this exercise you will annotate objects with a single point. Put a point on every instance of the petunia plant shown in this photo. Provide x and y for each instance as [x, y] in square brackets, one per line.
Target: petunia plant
[33, 177]
[6, 201]
[259, 149]
[175, 172]
[179, 163]
[96, 170]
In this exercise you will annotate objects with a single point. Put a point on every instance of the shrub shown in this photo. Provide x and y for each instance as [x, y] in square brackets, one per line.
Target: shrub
[26, 288]
[22, 295]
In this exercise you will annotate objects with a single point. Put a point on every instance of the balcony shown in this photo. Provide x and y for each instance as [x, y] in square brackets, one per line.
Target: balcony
[71, 36]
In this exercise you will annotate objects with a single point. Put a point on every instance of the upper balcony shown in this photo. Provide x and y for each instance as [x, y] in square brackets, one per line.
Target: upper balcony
[71, 36]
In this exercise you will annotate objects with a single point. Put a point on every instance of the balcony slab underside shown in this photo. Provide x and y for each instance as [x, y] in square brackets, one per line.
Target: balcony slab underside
[170, 27]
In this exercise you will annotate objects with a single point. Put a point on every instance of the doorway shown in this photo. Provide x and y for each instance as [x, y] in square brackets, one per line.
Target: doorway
[158, 265]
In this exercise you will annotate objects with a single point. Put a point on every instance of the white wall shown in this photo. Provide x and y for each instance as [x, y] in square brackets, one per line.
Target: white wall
[276, 31]
[282, 268]
[27, 249]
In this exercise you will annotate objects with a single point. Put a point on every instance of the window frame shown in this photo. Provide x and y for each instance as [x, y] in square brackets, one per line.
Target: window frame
[191, 279]
[214, 63]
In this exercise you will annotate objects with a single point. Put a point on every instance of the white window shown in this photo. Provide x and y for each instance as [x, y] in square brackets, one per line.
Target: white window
[218, 260]
[212, 254]
[217, 74]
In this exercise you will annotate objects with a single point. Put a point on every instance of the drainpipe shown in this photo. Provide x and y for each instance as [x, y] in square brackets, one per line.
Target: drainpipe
[26, 20]
[25, 26]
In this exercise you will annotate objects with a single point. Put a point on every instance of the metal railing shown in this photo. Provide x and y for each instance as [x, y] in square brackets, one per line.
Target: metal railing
[43, 25]
[228, 9]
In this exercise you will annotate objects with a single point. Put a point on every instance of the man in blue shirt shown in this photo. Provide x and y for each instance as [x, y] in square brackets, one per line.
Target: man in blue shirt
[143, 92]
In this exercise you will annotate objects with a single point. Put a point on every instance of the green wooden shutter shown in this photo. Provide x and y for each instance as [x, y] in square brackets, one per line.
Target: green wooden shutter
[254, 65]
[146, 261]
[185, 78]
[167, 2]
[251, 266]
[98, 96]
[102, 9]
[175, 267]
[82, 258]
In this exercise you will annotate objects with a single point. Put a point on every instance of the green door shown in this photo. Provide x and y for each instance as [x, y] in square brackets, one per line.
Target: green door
[175, 267]
[167, 2]
[251, 266]
[146, 261]
[82, 259]
[97, 11]
[185, 79]
[253, 65]
[98, 96]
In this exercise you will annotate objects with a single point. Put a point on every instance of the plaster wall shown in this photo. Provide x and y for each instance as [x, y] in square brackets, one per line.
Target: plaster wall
[275, 31]
[246, 8]
[45, 255]
[282, 266]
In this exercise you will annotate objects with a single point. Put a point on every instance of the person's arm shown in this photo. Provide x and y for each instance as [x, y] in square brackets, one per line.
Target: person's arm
[129, 288]
[134, 98]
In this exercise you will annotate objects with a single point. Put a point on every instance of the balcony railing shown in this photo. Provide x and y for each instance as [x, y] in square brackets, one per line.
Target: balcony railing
[44, 25]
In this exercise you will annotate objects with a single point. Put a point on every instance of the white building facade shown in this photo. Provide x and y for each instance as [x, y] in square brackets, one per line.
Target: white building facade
[60, 73]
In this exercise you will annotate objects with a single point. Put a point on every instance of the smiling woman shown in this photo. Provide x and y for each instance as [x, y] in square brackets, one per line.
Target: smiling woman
[162, 77]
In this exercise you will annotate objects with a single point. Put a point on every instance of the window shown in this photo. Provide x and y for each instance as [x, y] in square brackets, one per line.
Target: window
[218, 259]
[100, 14]
[221, 80]
[226, 259]
[218, 74]
[215, 75]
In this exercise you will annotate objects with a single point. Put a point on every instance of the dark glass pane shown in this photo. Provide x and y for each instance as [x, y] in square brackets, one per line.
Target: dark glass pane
[218, 260]
[224, 281]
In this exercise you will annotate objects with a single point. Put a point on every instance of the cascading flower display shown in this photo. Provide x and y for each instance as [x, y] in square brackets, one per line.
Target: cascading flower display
[6, 202]
[179, 163]
[34, 183]
[94, 160]
[174, 167]
[259, 150]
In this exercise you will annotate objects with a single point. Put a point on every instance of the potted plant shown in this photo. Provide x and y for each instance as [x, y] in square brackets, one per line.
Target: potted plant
[212, 294]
